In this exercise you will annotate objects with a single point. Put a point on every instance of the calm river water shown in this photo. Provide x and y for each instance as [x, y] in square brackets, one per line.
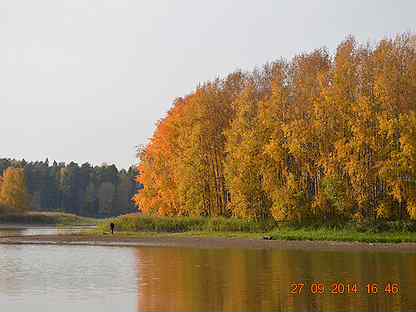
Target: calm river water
[15, 230]
[93, 278]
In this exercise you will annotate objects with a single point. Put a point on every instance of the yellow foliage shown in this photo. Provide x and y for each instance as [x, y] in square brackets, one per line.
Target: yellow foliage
[411, 209]
[315, 137]
[13, 191]
[383, 211]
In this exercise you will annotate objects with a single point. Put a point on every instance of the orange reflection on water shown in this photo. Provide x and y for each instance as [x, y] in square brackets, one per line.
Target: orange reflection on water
[187, 279]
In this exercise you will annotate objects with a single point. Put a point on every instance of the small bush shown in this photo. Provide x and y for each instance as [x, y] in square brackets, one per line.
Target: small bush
[380, 226]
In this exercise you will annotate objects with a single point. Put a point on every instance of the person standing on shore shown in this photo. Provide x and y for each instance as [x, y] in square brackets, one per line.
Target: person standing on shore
[112, 227]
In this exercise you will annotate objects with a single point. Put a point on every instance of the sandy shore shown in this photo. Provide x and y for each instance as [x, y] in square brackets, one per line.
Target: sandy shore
[205, 242]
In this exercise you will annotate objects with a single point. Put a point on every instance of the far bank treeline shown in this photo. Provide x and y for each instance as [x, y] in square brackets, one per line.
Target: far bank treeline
[98, 191]
[320, 137]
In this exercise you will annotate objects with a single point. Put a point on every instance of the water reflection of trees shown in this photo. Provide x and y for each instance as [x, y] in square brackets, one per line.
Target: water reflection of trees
[184, 279]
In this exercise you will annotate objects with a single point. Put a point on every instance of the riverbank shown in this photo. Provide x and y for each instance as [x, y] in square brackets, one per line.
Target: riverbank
[45, 218]
[135, 229]
[381, 232]
[203, 240]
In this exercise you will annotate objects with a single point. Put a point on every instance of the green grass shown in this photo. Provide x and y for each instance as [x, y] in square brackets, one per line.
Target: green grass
[282, 234]
[145, 234]
[145, 226]
[46, 218]
[345, 235]
[135, 223]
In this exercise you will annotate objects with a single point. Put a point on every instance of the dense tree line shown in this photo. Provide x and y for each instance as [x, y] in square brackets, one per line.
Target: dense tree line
[98, 191]
[318, 137]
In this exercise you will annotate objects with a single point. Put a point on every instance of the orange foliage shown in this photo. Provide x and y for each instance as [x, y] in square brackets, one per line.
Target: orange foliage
[317, 137]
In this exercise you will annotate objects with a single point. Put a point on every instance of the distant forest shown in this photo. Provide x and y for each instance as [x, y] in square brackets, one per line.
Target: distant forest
[99, 191]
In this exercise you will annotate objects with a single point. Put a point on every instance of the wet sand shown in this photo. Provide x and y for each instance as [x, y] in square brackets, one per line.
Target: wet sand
[205, 242]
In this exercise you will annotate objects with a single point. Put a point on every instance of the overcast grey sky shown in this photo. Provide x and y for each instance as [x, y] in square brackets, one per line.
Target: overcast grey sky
[87, 80]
